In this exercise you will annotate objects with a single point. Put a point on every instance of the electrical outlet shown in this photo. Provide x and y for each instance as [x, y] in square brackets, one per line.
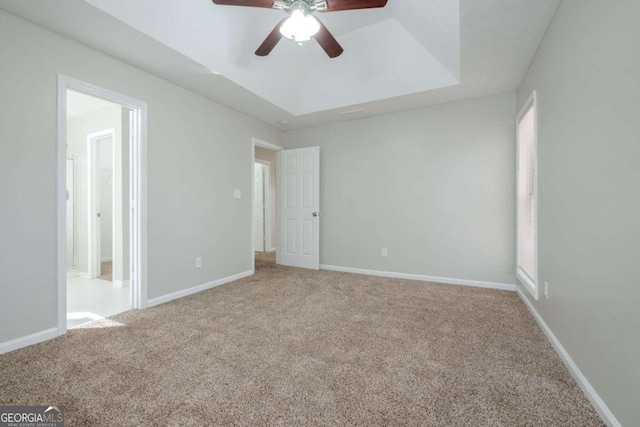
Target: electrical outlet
[198, 262]
[509, 269]
[546, 290]
[384, 252]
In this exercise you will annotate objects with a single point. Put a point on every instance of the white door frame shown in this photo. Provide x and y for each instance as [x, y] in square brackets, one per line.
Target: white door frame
[74, 161]
[255, 142]
[138, 191]
[266, 216]
[93, 199]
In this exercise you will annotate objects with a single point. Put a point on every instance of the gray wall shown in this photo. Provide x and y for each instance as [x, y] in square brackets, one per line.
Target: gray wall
[587, 75]
[435, 186]
[199, 151]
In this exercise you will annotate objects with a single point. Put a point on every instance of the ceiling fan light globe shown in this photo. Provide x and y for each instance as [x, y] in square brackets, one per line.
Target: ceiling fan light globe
[287, 29]
[297, 17]
[300, 27]
[312, 25]
[302, 38]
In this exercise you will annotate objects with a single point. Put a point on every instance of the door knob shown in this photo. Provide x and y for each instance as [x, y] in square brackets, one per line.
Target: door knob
[315, 214]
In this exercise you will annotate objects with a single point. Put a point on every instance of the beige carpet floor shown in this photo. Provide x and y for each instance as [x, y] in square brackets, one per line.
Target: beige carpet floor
[305, 348]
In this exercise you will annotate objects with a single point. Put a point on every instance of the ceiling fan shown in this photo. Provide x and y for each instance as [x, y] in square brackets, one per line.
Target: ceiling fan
[301, 25]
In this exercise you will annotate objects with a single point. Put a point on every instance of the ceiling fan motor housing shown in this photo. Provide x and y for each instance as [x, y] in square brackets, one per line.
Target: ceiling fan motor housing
[307, 5]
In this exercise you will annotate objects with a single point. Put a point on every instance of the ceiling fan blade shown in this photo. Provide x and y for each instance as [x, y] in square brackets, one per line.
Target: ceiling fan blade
[271, 41]
[329, 43]
[337, 5]
[251, 3]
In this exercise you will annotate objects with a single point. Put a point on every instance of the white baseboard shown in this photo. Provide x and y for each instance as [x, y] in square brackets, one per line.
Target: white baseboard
[32, 339]
[272, 250]
[183, 293]
[83, 274]
[582, 381]
[435, 279]
[105, 260]
[121, 283]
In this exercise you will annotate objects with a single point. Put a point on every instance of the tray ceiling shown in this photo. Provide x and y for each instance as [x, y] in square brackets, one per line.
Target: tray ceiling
[409, 54]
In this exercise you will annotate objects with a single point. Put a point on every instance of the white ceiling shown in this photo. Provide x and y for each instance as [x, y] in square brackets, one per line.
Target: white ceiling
[412, 53]
[383, 57]
[79, 104]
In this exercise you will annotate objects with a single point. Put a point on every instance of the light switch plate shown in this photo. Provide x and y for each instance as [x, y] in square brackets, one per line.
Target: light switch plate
[237, 194]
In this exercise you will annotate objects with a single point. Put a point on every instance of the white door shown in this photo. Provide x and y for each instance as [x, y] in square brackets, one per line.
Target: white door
[258, 207]
[70, 215]
[299, 188]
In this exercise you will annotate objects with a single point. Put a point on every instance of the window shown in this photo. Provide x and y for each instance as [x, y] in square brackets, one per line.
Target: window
[527, 218]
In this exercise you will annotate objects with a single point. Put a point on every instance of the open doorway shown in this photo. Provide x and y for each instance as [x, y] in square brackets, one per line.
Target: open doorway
[97, 141]
[102, 232]
[264, 192]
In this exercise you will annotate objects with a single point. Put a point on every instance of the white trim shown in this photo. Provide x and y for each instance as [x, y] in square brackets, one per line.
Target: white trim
[121, 283]
[194, 290]
[264, 144]
[278, 210]
[74, 161]
[138, 204]
[94, 254]
[255, 142]
[422, 278]
[527, 283]
[531, 284]
[272, 249]
[266, 183]
[32, 339]
[61, 214]
[582, 381]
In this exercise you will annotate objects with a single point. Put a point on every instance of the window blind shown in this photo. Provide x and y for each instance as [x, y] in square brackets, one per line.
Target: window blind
[527, 219]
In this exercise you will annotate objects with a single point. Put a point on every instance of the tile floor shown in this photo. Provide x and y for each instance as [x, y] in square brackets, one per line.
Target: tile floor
[89, 300]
